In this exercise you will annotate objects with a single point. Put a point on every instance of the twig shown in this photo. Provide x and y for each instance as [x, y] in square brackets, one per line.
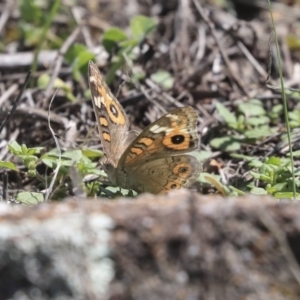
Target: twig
[10, 91]
[12, 137]
[59, 60]
[25, 59]
[5, 14]
[217, 40]
[42, 114]
[252, 60]
[14, 107]
[78, 16]
[201, 44]
[49, 190]
[54, 6]
[145, 92]
[4, 186]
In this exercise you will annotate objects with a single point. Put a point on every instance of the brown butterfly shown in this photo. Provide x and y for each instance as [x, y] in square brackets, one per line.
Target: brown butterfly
[154, 160]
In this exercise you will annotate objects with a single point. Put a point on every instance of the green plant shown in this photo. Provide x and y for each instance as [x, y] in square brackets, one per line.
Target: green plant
[249, 124]
[35, 23]
[78, 57]
[273, 176]
[31, 159]
[284, 101]
[120, 45]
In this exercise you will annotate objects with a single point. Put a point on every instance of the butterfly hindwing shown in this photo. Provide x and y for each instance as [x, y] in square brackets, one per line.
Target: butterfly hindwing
[172, 134]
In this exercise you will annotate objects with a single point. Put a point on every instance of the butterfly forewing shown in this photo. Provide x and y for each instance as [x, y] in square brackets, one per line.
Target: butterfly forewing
[111, 118]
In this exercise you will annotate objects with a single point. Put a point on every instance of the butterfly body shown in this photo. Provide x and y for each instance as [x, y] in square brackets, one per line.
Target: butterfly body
[154, 160]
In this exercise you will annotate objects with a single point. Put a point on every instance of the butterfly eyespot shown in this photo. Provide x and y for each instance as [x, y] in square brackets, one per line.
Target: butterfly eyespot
[183, 170]
[174, 186]
[177, 139]
[113, 110]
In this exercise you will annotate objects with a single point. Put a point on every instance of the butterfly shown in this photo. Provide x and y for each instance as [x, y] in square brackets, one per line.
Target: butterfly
[154, 160]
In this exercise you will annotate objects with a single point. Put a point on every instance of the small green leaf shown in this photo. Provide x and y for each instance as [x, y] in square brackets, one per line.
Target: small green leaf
[286, 195]
[32, 34]
[258, 191]
[259, 132]
[74, 51]
[265, 178]
[78, 57]
[203, 175]
[114, 34]
[68, 158]
[202, 155]
[225, 113]
[257, 121]
[94, 172]
[277, 108]
[253, 160]
[15, 148]
[44, 80]
[85, 166]
[294, 124]
[273, 160]
[241, 156]
[32, 173]
[226, 143]
[255, 163]
[276, 112]
[30, 12]
[71, 157]
[49, 161]
[35, 150]
[163, 78]
[30, 197]
[112, 37]
[237, 191]
[8, 165]
[141, 26]
[126, 48]
[32, 165]
[255, 175]
[293, 41]
[81, 61]
[297, 172]
[24, 149]
[92, 153]
[294, 115]
[279, 187]
[252, 108]
[267, 168]
[28, 158]
[296, 153]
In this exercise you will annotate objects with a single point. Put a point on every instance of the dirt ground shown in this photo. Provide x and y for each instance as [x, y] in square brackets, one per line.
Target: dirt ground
[213, 52]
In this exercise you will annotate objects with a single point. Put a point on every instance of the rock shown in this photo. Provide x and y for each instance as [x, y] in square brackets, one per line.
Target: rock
[177, 246]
